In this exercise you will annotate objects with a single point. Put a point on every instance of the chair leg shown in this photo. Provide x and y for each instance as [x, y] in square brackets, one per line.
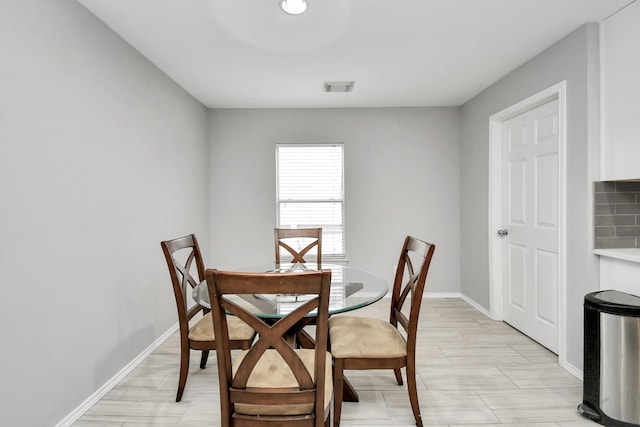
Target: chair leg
[184, 370]
[413, 393]
[203, 359]
[338, 383]
[398, 375]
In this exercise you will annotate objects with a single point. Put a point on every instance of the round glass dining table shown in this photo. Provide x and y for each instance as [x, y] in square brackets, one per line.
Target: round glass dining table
[351, 288]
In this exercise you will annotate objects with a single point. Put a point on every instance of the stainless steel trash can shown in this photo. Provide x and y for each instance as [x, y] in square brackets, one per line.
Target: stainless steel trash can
[611, 386]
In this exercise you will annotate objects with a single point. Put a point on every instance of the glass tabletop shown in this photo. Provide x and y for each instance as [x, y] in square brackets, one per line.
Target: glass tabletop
[351, 288]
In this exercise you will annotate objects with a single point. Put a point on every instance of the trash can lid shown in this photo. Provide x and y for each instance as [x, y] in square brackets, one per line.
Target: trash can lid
[614, 302]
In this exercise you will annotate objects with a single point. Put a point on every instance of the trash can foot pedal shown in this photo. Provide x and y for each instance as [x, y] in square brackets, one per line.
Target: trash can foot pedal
[588, 412]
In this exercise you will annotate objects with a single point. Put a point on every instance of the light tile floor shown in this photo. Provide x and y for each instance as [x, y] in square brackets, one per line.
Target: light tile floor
[472, 372]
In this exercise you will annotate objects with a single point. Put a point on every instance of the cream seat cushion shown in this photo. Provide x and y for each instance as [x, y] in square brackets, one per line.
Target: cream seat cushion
[364, 338]
[272, 371]
[203, 329]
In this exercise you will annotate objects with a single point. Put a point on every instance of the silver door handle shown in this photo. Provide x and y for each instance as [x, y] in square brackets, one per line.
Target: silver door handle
[503, 232]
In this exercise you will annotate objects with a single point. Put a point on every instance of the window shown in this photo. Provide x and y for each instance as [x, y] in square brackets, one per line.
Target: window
[310, 191]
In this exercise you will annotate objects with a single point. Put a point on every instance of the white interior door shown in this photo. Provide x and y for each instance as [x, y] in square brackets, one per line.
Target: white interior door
[531, 232]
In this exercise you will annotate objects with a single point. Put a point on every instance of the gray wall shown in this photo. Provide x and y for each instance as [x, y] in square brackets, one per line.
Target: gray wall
[402, 176]
[101, 157]
[574, 59]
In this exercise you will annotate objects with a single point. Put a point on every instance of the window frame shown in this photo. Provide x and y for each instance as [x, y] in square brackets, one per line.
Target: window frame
[325, 256]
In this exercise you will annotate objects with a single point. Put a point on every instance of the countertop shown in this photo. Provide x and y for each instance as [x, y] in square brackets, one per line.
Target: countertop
[627, 254]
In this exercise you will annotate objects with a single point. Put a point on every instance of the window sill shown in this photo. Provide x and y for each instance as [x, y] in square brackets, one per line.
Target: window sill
[325, 260]
[335, 260]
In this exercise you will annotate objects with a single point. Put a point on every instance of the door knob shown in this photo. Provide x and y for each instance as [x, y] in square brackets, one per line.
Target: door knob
[503, 232]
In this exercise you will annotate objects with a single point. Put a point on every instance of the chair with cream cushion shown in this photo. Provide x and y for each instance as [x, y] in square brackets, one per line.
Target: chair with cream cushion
[366, 343]
[273, 383]
[180, 254]
[285, 238]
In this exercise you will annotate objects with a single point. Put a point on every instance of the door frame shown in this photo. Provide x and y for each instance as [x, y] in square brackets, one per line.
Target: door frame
[496, 283]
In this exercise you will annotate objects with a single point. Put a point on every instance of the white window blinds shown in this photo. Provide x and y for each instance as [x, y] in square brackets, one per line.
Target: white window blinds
[310, 191]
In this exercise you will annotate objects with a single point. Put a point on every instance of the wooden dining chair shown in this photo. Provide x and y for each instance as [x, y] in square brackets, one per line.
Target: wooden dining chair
[180, 254]
[285, 238]
[273, 383]
[366, 343]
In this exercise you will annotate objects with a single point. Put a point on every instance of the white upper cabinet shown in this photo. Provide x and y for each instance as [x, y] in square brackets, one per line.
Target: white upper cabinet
[620, 73]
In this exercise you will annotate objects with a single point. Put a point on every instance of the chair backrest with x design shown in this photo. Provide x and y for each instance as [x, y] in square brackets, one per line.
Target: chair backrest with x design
[182, 270]
[284, 238]
[408, 286]
[272, 380]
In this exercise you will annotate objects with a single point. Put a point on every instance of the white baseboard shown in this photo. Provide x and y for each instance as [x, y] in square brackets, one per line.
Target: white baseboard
[475, 305]
[442, 295]
[463, 297]
[572, 370]
[105, 388]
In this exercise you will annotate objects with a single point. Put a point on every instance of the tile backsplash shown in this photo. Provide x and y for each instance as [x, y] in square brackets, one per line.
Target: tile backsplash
[616, 214]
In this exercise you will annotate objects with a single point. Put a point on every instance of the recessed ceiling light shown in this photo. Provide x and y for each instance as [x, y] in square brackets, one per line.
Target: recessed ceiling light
[338, 86]
[293, 7]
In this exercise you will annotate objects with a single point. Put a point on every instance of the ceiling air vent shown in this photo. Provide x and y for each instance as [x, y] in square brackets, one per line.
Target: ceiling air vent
[338, 86]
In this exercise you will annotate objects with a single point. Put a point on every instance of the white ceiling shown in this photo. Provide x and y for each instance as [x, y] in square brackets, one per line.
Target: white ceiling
[249, 53]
